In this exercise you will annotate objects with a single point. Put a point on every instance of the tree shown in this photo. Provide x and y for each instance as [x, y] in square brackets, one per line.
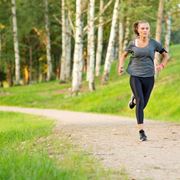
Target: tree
[16, 43]
[66, 45]
[108, 60]
[48, 43]
[100, 39]
[77, 62]
[159, 27]
[91, 46]
[168, 31]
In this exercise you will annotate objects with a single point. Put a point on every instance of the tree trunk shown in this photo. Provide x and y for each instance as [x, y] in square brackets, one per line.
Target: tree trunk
[76, 75]
[108, 60]
[121, 37]
[66, 46]
[16, 44]
[100, 40]
[91, 46]
[168, 31]
[88, 46]
[68, 49]
[63, 57]
[48, 43]
[159, 28]
[126, 36]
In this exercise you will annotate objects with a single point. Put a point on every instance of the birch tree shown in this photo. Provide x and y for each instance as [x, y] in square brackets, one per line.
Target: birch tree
[16, 43]
[126, 35]
[159, 27]
[91, 46]
[108, 60]
[48, 43]
[63, 57]
[88, 45]
[168, 31]
[68, 49]
[121, 37]
[77, 61]
[100, 39]
[66, 45]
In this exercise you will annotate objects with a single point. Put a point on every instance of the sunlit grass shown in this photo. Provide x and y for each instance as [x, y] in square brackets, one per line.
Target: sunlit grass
[29, 150]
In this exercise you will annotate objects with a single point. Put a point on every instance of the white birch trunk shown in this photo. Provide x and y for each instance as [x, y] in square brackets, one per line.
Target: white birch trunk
[100, 40]
[159, 28]
[63, 57]
[81, 62]
[88, 45]
[115, 46]
[68, 49]
[16, 44]
[168, 31]
[108, 60]
[121, 37]
[76, 75]
[91, 46]
[48, 43]
[126, 36]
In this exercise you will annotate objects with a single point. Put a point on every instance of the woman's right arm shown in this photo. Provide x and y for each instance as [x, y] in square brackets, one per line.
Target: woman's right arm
[121, 62]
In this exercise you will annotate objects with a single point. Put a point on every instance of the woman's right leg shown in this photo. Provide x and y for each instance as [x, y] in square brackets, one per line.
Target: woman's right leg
[137, 90]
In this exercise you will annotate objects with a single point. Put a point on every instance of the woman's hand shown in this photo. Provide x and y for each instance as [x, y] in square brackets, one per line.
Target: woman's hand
[164, 61]
[160, 67]
[120, 70]
[121, 63]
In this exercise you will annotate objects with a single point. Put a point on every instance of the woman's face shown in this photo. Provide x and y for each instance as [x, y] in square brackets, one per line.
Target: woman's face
[143, 29]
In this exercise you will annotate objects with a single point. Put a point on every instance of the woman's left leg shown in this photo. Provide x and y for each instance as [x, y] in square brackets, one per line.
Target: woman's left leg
[147, 84]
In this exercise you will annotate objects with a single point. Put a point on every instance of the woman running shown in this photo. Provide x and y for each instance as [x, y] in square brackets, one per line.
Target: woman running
[141, 69]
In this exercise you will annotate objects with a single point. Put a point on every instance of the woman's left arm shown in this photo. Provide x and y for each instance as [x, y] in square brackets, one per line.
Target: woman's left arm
[165, 56]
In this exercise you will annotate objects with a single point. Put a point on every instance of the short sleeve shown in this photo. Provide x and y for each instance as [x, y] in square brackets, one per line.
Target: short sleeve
[159, 48]
[129, 47]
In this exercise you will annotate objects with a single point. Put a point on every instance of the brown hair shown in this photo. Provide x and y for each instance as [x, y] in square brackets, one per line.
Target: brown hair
[136, 24]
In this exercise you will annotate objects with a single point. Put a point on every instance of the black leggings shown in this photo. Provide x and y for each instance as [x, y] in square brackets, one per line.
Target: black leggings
[141, 88]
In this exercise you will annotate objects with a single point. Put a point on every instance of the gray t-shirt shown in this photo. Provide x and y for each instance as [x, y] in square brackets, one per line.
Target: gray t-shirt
[141, 62]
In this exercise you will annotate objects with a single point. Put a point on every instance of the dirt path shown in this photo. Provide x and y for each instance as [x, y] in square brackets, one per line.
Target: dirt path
[114, 140]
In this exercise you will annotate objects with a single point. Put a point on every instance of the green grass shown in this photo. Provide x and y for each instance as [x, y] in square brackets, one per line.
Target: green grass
[29, 150]
[16, 127]
[111, 99]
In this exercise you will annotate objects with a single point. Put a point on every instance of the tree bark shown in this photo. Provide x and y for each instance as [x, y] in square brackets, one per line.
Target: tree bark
[168, 31]
[121, 37]
[77, 64]
[63, 57]
[66, 46]
[126, 36]
[108, 60]
[16, 43]
[159, 28]
[68, 49]
[100, 40]
[48, 43]
[91, 46]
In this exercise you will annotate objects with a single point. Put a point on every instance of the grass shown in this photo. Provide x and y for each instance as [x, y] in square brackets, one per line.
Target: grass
[29, 150]
[111, 99]
[15, 127]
